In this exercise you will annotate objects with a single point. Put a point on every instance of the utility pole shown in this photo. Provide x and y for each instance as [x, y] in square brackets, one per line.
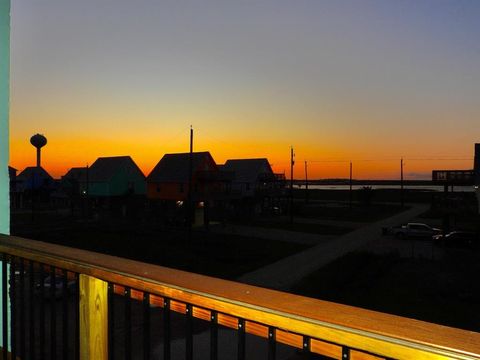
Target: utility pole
[189, 209]
[87, 189]
[33, 194]
[401, 183]
[350, 183]
[306, 182]
[292, 162]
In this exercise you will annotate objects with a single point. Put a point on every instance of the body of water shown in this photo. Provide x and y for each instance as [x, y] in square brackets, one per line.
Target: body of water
[437, 188]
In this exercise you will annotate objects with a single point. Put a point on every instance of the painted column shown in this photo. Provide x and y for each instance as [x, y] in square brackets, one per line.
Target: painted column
[4, 111]
[4, 136]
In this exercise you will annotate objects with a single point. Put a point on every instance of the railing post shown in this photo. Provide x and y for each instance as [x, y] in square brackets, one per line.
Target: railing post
[93, 318]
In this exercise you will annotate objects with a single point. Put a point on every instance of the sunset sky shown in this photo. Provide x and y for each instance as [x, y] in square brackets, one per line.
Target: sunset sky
[367, 81]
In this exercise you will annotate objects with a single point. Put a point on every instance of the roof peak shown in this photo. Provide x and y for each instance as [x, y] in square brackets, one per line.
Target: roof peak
[187, 153]
[114, 157]
[248, 159]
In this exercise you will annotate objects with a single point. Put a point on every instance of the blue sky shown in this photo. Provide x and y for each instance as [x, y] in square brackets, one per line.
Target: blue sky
[336, 79]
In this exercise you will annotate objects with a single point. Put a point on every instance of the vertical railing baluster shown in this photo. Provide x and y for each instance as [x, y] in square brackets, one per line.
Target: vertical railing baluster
[189, 332]
[166, 329]
[111, 321]
[5, 306]
[241, 339]
[128, 324]
[42, 312]
[345, 353]
[22, 308]
[53, 314]
[77, 316]
[65, 314]
[213, 335]
[272, 343]
[13, 307]
[146, 326]
[306, 347]
[31, 337]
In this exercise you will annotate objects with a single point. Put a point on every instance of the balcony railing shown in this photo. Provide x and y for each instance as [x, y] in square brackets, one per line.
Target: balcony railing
[453, 177]
[66, 303]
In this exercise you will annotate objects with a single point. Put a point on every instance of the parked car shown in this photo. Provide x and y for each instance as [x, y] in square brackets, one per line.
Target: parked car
[460, 239]
[412, 230]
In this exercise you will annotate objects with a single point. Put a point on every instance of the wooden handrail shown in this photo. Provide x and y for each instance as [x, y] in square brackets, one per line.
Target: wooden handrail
[373, 332]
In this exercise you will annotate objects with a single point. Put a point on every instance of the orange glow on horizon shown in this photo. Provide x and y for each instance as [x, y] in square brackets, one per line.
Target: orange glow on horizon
[59, 155]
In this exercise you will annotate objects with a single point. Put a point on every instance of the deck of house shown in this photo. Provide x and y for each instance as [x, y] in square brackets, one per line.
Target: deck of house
[104, 307]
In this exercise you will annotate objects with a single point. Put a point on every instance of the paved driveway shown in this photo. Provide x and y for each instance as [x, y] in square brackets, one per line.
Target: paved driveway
[286, 272]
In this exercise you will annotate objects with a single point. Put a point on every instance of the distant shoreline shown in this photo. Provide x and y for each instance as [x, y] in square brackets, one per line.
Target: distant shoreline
[364, 182]
[381, 185]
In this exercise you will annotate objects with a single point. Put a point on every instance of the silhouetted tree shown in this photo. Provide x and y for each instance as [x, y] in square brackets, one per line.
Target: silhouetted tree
[366, 194]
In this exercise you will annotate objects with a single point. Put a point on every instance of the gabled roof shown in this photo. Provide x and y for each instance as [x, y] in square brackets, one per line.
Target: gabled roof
[36, 172]
[104, 168]
[76, 173]
[175, 167]
[248, 170]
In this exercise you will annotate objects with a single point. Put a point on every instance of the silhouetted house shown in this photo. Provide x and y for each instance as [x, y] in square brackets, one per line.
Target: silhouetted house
[12, 175]
[15, 194]
[452, 204]
[74, 182]
[256, 188]
[112, 176]
[73, 188]
[33, 184]
[76, 174]
[252, 177]
[169, 179]
[34, 178]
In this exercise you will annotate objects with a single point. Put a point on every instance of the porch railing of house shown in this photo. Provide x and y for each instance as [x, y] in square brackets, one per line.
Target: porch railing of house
[66, 303]
[453, 177]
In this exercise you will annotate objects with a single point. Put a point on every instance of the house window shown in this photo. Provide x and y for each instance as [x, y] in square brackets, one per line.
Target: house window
[158, 187]
[181, 187]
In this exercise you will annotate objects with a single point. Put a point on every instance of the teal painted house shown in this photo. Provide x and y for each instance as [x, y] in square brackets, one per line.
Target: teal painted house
[115, 176]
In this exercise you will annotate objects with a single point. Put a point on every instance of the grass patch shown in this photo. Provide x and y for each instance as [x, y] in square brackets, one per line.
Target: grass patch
[207, 253]
[440, 292]
[320, 229]
[358, 213]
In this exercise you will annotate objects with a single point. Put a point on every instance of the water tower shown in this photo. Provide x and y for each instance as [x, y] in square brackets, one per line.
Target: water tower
[38, 141]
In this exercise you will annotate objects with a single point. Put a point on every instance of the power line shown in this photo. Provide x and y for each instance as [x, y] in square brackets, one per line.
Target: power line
[392, 159]
[228, 145]
[215, 139]
[438, 159]
[175, 137]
